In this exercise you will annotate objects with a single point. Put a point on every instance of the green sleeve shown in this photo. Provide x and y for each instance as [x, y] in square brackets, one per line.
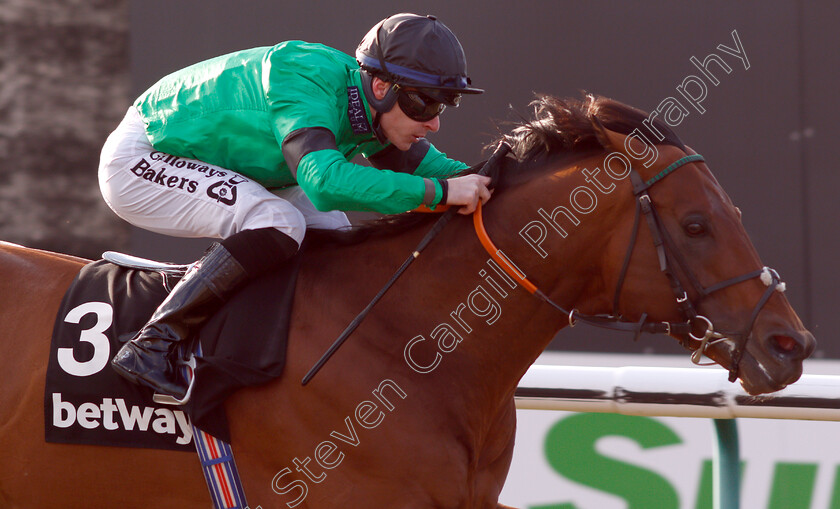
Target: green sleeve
[437, 164]
[333, 183]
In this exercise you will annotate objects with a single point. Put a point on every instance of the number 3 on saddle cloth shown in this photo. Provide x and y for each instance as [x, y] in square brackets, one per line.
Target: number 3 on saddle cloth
[86, 402]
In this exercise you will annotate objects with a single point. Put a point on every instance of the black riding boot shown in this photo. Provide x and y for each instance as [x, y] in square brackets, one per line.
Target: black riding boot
[147, 359]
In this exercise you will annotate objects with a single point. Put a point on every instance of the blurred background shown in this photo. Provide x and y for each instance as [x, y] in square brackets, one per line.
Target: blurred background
[70, 68]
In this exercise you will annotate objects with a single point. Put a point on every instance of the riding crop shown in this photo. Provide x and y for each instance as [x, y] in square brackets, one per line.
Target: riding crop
[500, 152]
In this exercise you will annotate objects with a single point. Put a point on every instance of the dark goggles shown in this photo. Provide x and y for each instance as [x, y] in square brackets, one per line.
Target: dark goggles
[419, 106]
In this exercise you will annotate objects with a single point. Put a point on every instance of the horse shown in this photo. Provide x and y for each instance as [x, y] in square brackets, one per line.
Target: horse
[416, 410]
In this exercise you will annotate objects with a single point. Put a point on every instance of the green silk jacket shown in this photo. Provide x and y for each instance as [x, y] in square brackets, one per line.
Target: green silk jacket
[235, 111]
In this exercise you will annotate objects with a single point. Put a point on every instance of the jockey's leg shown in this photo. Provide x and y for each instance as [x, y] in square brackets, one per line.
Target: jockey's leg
[148, 358]
[331, 220]
[188, 198]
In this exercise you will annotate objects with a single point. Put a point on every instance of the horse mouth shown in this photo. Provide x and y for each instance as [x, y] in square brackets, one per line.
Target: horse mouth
[775, 361]
[764, 385]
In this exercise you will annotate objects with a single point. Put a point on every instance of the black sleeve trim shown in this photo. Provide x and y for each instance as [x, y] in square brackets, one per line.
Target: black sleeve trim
[444, 187]
[300, 142]
[390, 158]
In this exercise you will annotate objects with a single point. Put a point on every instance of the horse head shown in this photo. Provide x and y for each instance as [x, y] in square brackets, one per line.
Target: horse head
[648, 236]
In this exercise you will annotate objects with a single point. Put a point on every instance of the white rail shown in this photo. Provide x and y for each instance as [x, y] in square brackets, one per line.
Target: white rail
[677, 392]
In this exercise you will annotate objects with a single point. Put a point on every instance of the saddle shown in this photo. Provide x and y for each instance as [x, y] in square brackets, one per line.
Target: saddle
[243, 344]
[135, 262]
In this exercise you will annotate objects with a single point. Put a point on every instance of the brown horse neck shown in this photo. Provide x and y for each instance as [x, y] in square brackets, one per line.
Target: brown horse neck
[453, 305]
[510, 326]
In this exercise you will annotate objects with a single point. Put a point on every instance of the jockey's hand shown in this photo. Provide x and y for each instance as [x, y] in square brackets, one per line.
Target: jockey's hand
[467, 190]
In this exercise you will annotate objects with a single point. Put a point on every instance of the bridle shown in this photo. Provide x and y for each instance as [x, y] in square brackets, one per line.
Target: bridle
[664, 247]
[666, 250]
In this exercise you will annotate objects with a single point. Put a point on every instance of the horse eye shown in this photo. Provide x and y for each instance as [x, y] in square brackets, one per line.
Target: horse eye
[694, 229]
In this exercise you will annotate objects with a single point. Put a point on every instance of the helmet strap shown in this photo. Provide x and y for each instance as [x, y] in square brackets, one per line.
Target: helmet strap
[381, 106]
[377, 130]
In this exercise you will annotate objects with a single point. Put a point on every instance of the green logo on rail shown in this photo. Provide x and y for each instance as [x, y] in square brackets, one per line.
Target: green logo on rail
[570, 449]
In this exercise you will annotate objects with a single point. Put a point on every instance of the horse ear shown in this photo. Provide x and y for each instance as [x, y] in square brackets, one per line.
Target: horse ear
[634, 145]
[610, 140]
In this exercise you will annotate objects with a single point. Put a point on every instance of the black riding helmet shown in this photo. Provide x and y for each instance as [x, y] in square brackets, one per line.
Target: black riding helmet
[414, 52]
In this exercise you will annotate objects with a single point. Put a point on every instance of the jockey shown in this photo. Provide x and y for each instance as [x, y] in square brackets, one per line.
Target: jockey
[255, 146]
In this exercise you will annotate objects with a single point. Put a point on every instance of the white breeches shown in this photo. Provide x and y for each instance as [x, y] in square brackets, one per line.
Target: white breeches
[188, 198]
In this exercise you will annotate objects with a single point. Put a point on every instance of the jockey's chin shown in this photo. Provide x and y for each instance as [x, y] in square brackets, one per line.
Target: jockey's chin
[402, 131]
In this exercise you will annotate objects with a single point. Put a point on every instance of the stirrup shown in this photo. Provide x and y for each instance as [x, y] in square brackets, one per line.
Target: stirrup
[166, 399]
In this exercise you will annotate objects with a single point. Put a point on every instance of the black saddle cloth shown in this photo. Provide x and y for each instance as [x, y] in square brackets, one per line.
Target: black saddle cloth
[243, 344]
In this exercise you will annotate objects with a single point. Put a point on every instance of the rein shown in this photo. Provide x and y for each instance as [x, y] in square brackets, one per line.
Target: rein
[665, 248]
[491, 167]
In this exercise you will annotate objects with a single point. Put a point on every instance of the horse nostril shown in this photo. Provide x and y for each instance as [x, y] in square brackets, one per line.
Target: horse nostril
[785, 343]
[788, 347]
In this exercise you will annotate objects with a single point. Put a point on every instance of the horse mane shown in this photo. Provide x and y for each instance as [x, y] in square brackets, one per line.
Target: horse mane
[569, 125]
[560, 126]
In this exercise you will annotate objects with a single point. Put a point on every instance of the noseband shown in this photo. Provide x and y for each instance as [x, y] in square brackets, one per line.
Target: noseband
[666, 249]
